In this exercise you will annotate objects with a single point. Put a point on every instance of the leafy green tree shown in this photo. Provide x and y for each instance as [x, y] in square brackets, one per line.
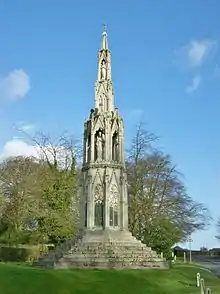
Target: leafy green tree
[41, 194]
[20, 201]
[59, 185]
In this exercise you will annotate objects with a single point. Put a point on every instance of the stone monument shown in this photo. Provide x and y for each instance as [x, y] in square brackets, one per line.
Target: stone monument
[104, 240]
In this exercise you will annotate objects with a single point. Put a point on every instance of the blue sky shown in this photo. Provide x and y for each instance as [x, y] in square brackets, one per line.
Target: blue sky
[166, 70]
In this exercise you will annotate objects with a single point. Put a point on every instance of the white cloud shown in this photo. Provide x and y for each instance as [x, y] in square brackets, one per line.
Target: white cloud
[17, 147]
[15, 85]
[196, 52]
[194, 85]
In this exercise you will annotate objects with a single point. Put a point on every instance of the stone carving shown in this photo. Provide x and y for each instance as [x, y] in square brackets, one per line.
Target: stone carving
[98, 197]
[114, 196]
[98, 194]
[115, 147]
[99, 145]
[101, 103]
[103, 70]
[88, 148]
[113, 206]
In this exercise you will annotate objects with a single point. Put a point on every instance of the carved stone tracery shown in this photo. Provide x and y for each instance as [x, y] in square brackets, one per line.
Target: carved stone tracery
[98, 194]
[114, 197]
[99, 206]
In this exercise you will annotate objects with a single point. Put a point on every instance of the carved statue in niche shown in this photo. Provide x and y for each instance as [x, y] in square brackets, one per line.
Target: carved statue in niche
[115, 147]
[100, 141]
[103, 69]
[91, 112]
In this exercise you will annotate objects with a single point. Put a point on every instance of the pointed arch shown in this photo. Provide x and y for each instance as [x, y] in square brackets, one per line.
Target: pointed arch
[99, 145]
[114, 178]
[115, 126]
[99, 123]
[115, 146]
[98, 193]
[114, 206]
[97, 179]
[99, 205]
[88, 147]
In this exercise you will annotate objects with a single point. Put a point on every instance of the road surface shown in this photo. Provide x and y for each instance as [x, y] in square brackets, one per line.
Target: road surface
[211, 263]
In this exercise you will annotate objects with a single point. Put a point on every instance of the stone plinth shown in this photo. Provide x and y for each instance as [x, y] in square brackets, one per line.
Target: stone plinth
[103, 249]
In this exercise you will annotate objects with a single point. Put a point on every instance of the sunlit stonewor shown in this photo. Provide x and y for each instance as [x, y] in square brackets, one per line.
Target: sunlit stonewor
[104, 239]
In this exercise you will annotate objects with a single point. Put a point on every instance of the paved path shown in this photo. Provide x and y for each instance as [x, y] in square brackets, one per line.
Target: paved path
[212, 264]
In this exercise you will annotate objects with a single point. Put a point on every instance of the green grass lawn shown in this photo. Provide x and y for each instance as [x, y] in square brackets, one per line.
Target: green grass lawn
[181, 279]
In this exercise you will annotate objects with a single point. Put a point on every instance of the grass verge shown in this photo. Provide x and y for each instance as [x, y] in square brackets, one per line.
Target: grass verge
[181, 279]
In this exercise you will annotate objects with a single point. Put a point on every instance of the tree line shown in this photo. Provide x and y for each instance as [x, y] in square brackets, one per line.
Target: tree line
[39, 196]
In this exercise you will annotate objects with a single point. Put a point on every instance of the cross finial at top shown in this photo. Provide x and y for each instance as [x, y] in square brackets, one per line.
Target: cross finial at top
[104, 28]
[104, 38]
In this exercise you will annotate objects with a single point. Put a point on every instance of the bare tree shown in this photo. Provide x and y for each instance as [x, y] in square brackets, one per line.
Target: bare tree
[218, 229]
[160, 210]
[142, 144]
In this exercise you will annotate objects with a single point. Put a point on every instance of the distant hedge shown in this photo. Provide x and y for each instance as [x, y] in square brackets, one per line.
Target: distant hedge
[22, 253]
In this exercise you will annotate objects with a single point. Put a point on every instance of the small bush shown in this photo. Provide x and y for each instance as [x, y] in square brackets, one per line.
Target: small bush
[22, 253]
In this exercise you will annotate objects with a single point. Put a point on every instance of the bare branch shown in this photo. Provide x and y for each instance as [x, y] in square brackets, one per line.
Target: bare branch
[157, 195]
[218, 229]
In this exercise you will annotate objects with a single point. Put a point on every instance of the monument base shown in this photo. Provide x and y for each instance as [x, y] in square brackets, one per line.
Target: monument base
[102, 249]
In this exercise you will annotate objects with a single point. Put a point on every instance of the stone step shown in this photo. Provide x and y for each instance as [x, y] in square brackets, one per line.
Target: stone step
[106, 264]
[139, 257]
[136, 249]
[130, 253]
[125, 248]
[101, 260]
[100, 263]
[114, 254]
[116, 244]
[116, 258]
[110, 249]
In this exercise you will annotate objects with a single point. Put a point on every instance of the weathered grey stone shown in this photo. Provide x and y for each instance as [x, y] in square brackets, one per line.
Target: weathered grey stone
[104, 241]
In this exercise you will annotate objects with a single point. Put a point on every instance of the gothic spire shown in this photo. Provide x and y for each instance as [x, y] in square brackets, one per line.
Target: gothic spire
[104, 39]
[104, 100]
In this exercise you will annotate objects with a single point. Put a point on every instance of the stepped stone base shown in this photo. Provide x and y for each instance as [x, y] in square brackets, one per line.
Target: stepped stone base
[102, 249]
